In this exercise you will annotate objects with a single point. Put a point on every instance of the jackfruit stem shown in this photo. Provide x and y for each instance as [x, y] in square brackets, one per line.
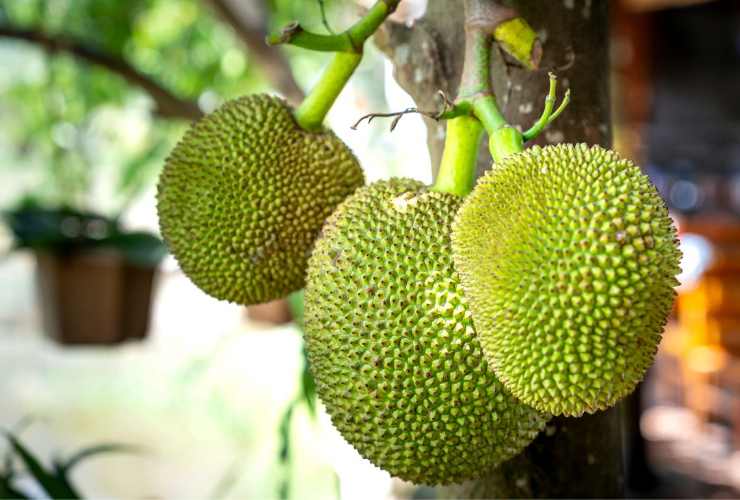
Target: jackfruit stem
[464, 133]
[505, 141]
[350, 40]
[312, 111]
[460, 156]
[348, 46]
[483, 22]
[483, 18]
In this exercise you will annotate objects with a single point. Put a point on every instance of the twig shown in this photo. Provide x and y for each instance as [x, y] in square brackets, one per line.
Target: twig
[168, 104]
[548, 116]
[449, 110]
[351, 40]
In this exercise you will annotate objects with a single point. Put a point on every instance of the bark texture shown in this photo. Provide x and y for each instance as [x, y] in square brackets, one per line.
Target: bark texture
[429, 55]
[573, 457]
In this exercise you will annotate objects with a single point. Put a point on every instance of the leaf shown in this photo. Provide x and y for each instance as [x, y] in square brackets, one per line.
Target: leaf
[56, 229]
[50, 483]
[7, 491]
[284, 433]
[308, 386]
[136, 173]
[138, 248]
[62, 469]
[7, 474]
[284, 489]
[295, 303]
[337, 485]
[227, 482]
[101, 449]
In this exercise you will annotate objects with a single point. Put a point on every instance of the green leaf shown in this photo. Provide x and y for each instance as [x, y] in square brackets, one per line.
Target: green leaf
[227, 482]
[284, 433]
[308, 386]
[101, 449]
[137, 173]
[284, 489]
[54, 487]
[56, 229]
[295, 303]
[63, 469]
[138, 248]
[7, 491]
[7, 474]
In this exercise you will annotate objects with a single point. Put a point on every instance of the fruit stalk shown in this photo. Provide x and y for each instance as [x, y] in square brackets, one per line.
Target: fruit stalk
[460, 156]
[311, 113]
[457, 168]
[483, 24]
[482, 19]
[348, 46]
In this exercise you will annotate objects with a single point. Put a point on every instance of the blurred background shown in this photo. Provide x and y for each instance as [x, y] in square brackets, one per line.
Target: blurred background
[103, 340]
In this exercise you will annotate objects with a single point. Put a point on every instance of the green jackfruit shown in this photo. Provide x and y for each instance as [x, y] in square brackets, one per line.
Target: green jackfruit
[243, 195]
[568, 258]
[391, 342]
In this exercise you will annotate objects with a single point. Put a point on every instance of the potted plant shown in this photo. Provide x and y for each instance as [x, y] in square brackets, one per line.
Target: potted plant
[94, 278]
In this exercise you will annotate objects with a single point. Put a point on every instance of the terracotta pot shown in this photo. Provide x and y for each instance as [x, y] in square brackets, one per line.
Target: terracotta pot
[276, 312]
[93, 297]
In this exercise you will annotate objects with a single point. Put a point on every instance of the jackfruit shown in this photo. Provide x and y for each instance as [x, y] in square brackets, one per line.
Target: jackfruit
[391, 342]
[568, 258]
[243, 195]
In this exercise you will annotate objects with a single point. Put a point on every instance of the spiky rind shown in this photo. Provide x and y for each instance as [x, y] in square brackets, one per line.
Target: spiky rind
[392, 346]
[568, 257]
[243, 195]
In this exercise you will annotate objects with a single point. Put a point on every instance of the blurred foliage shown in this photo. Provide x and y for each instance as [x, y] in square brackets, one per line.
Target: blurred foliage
[79, 145]
[61, 230]
[306, 396]
[54, 480]
[77, 135]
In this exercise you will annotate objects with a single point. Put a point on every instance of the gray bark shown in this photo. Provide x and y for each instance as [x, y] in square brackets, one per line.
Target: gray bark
[428, 57]
[573, 457]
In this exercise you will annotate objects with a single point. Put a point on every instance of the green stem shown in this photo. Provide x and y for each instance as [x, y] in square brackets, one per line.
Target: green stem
[370, 22]
[505, 141]
[482, 20]
[548, 116]
[460, 156]
[350, 40]
[464, 133]
[294, 34]
[476, 77]
[348, 46]
[311, 113]
[486, 110]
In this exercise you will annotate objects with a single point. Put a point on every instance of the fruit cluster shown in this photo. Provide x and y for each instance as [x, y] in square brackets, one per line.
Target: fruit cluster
[443, 326]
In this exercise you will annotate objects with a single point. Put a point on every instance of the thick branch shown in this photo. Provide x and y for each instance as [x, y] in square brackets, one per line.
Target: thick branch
[168, 104]
[270, 59]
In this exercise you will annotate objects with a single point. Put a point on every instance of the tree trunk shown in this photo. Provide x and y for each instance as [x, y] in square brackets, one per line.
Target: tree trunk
[573, 457]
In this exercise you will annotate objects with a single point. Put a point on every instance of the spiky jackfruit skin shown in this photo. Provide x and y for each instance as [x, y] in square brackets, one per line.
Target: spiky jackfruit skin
[568, 258]
[391, 342]
[244, 194]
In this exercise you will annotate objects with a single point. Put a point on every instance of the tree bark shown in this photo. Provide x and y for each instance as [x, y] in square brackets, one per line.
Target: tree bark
[573, 457]
[428, 57]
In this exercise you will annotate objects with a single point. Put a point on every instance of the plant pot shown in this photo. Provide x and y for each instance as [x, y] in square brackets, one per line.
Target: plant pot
[276, 312]
[93, 297]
